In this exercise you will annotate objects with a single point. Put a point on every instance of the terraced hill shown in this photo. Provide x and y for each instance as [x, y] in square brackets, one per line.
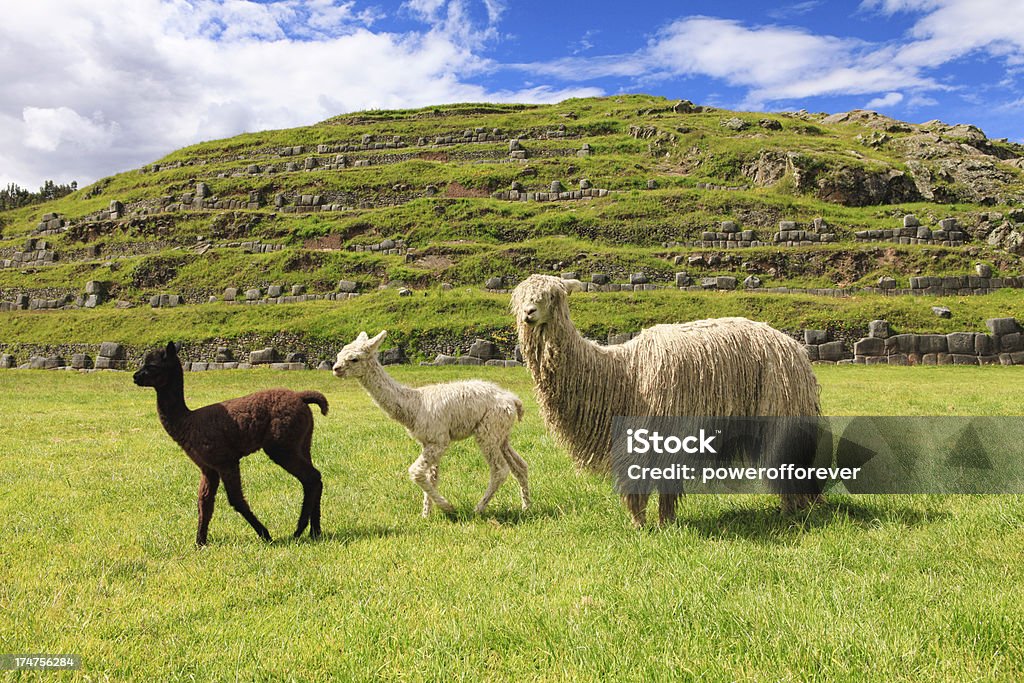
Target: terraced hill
[403, 219]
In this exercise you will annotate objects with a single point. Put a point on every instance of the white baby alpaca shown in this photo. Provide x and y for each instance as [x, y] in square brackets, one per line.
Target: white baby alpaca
[437, 414]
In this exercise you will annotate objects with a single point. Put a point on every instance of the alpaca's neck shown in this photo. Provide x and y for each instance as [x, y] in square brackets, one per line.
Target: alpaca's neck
[400, 402]
[579, 387]
[558, 346]
[170, 405]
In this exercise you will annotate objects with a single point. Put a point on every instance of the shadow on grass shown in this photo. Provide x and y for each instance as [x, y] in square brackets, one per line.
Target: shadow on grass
[511, 516]
[514, 516]
[770, 525]
[346, 535]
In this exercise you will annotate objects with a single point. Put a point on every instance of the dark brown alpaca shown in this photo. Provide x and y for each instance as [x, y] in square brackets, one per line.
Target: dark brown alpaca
[216, 437]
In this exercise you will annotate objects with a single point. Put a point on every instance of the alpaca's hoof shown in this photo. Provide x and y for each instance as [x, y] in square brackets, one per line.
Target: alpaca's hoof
[795, 502]
[479, 509]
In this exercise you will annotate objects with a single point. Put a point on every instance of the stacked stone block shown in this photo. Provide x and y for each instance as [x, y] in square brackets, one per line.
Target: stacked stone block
[947, 233]
[481, 352]
[111, 356]
[553, 195]
[36, 252]
[1002, 345]
[821, 347]
[50, 224]
[387, 247]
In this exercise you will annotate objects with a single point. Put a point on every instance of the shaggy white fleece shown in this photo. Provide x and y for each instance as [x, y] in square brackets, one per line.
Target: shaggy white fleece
[437, 414]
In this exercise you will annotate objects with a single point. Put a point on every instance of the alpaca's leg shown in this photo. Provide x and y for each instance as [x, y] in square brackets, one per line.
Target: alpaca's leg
[420, 472]
[499, 467]
[232, 479]
[208, 482]
[796, 442]
[296, 464]
[794, 502]
[667, 508]
[318, 487]
[519, 470]
[434, 476]
[636, 503]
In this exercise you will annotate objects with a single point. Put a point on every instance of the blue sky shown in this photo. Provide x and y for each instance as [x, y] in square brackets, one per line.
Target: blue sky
[89, 89]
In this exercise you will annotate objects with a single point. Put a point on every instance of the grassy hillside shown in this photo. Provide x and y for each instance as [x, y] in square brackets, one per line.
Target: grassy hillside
[433, 180]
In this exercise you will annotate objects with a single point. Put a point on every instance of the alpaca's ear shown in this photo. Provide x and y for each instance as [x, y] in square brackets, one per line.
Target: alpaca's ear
[572, 286]
[376, 341]
[172, 349]
[362, 336]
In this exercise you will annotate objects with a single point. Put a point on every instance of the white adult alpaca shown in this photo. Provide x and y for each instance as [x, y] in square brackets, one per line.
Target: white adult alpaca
[437, 414]
[728, 367]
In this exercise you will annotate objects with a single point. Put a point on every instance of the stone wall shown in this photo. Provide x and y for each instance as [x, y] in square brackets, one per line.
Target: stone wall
[556, 193]
[730, 236]
[640, 282]
[36, 252]
[1002, 345]
[947, 233]
[266, 351]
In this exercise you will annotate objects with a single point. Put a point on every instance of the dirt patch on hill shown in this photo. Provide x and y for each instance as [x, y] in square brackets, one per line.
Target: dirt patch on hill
[459, 191]
[325, 243]
[434, 262]
[433, 156]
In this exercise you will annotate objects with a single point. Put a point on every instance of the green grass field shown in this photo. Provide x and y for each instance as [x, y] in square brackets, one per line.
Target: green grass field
[97, 555]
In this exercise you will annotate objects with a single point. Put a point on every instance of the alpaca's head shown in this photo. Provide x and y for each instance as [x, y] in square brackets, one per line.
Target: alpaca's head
[159, 367]
[355, 358]
[538, 299]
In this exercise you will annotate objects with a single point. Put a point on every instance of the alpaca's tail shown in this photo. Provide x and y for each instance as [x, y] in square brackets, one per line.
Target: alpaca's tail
[315, 397]
[519, 408]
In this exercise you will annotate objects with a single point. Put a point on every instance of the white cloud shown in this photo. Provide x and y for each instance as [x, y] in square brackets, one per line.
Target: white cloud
[459, 20]
[896, 6]
[888, 100]
[951, 29]
[764, 56]
[920, 101]
[585, 43]
[773, 63]
[47, 129]
[795, 9]
[109, 85]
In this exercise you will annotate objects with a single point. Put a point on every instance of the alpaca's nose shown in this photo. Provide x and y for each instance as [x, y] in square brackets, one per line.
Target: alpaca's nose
[530, 314]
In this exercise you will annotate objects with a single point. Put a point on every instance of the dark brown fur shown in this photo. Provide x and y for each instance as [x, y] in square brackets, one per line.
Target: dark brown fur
[216, 437]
